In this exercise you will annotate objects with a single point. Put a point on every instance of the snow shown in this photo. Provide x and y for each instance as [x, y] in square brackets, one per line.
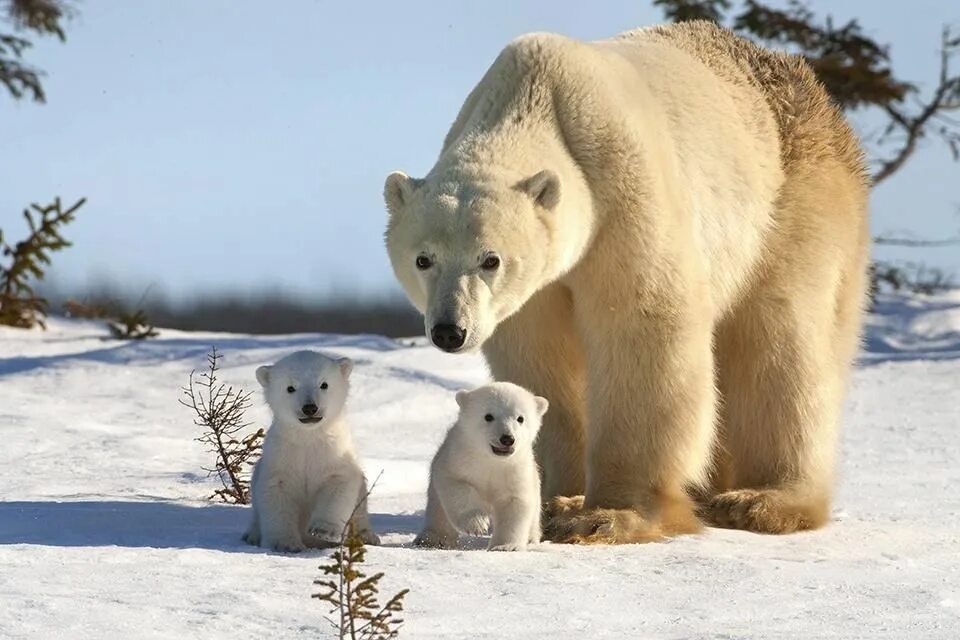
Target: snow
[105, 531]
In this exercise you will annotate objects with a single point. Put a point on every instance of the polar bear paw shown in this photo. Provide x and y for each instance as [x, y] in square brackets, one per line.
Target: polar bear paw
[323, 535]
[763, 511]
[568, 522]
[435, 540]
[252, 536]
[287, 545]
[474, 523]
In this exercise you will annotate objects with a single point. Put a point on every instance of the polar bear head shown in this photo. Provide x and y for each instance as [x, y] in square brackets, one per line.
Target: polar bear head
[306, 388]
[470, 247]
[501, 417]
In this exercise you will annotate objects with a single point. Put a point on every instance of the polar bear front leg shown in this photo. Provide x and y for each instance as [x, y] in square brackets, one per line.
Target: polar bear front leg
[651, 408]
[539, 349]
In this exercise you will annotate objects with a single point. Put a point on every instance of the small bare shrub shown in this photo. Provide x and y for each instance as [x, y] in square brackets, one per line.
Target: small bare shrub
[131, 325]
[219, 410]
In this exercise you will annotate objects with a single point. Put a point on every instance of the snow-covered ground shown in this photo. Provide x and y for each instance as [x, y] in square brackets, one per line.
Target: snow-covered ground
[105, 531]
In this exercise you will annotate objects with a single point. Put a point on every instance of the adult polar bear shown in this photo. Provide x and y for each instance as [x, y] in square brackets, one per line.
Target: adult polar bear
[665, 234]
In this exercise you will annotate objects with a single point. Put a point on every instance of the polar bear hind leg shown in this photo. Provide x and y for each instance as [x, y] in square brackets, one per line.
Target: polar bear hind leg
[783, 359]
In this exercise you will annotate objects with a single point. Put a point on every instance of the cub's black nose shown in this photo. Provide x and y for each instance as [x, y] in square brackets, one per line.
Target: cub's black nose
[309, 409]
[507, 441]
[448, 337]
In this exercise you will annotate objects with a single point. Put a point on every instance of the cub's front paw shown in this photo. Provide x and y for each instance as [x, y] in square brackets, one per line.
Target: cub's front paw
[474, 523]
[324, 534]
[286, 545]
[433, 540]
[252, 536]
[369, 537]
[508, 546]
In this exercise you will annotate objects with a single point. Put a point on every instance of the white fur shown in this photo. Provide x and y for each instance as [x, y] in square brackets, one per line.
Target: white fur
[679, 218]
[307, 482]
[470, 485]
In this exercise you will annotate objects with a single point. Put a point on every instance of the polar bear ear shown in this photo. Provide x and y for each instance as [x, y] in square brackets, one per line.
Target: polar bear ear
[544, 188]
[263, 375]
[397, 190]
[462, 397]
[542, 405]
[346, 366]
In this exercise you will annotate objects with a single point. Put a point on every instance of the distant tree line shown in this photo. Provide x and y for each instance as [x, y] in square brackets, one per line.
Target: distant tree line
[265, 313]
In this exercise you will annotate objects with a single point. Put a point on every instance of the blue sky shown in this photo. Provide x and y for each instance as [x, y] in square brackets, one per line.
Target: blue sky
[223, 147]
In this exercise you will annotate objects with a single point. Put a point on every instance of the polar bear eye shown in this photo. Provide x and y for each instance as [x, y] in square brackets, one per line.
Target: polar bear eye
[323, 385]
[491, 263]
[488, 417]
[423, 262]
[290, 389]
[520, 419]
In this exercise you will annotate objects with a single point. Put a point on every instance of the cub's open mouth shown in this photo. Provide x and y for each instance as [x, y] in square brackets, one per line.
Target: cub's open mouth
[501, 451]
[311, 420]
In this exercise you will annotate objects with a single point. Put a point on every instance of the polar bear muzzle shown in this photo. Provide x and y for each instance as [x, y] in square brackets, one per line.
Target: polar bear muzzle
[448, 337]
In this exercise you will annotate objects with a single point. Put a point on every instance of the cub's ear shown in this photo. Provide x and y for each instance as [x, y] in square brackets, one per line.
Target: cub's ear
[544, 188]
[263, 375]
[542, 405]
[462, 397]
[397, 190]
[346, 367]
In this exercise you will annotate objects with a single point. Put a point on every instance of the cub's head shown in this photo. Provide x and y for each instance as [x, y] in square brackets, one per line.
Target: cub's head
[306, 387]
[501, 417]
[471, 248]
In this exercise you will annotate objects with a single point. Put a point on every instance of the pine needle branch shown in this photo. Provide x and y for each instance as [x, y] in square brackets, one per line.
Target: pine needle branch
[20, 306]
[353, 595]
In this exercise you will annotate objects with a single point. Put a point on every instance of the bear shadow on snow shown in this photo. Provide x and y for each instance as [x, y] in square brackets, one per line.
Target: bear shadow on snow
[161, 525]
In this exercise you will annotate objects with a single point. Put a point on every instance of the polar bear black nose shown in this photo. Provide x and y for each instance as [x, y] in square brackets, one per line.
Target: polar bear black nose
[448, 337]
[309, 409]
[507, 441]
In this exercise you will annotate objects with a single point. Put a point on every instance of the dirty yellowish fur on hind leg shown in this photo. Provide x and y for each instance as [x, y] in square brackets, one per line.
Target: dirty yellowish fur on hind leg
[766, 511]
[538, 348]
[568, 522]
[784, 357]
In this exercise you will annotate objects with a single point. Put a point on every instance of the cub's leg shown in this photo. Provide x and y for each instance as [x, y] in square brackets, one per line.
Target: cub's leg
[464, 506]
[252, 535]
[437, 531]
[333, 504]
[361, 519]
[538, 348]
[512, 524]
[279, 515]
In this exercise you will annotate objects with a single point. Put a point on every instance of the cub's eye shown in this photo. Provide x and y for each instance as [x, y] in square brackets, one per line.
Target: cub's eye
[323, 385]
[491, 263]
[424, 263]
[520, 419]
[290, 389]
[488, 417]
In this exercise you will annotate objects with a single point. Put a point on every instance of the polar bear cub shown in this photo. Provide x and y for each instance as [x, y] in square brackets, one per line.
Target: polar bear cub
[308, 482]
[485, 470]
